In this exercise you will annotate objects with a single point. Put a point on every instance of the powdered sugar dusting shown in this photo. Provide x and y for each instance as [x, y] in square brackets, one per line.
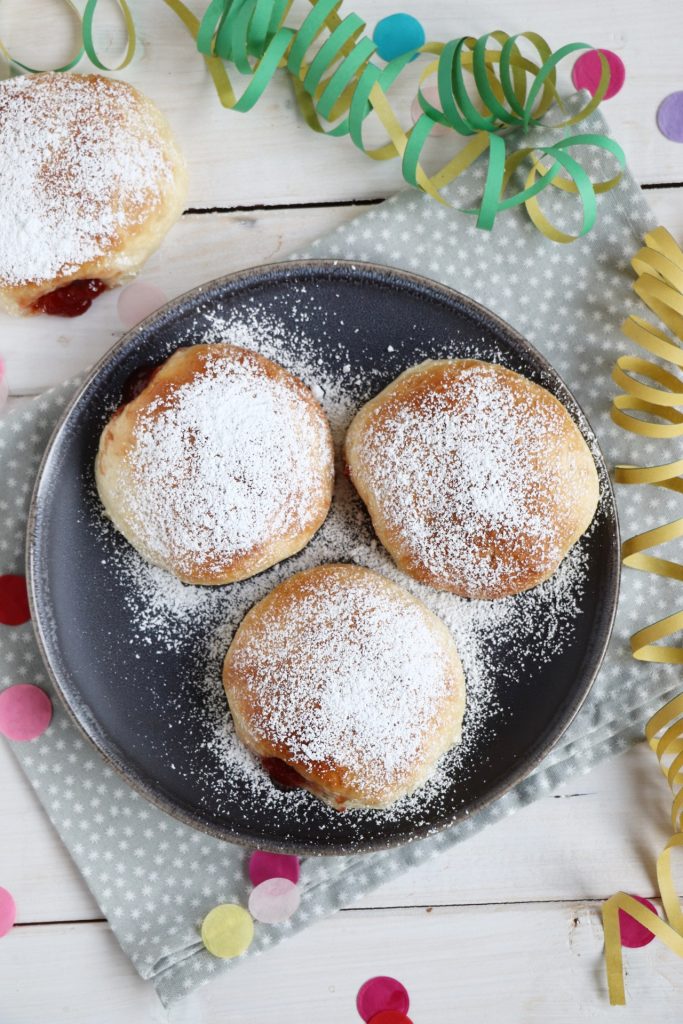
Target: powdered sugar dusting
[79, 160]
[231, 460]
[348, 673]
[167, 615]
[472, 478]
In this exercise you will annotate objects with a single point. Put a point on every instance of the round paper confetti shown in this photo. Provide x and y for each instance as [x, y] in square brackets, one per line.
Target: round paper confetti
[587, 72]
[227, 931]
[14, 609]
[633, 933]
[137, 301]
[431, 94]
[390, 1017]
[4, 386]
[396, 35]
[670, 116]
[272, 865]
[8, 911]
[274, 900]
[382, 994]
[25, 712]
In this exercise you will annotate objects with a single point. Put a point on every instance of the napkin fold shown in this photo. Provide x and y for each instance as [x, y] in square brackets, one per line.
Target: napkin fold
[154, 878]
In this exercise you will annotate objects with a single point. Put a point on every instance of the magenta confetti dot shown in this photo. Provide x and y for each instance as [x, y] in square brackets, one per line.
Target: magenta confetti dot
[25, 712]
[137, 301]
[263, 866]
[274, 901]
[587, 72]
[670, 117]
[381, 994]
[8, 911]
[633, 933]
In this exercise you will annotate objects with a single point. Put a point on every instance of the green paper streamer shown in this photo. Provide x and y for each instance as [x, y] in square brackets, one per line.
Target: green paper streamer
[13, 62]
[341, 83]
[338, 86]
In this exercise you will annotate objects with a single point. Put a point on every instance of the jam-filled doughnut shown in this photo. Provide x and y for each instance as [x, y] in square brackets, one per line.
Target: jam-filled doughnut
[220, 464]
[477, 480]
[91, 182]
[343, 681]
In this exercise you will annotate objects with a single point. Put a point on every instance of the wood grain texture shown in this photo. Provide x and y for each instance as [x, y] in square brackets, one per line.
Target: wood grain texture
[42, 351]
[269, 156]
[581, 843]
[518, 964]
[513, 934]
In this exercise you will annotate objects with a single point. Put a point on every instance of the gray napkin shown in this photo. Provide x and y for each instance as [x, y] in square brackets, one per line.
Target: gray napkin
[155, 879]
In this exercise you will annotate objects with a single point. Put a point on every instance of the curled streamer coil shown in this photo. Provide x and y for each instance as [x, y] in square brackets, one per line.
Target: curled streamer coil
[650, 389]
[487, 88]
[664, 733]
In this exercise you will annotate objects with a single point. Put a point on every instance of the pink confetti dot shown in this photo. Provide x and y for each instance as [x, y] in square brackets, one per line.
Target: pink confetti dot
[431, 94]
[587, 72]
[274, 901]
[14, 609]
[25, 712]
[263, 866]
[670, 116]
[381, 994]
[137, 301]
[633, 933]
[8, 911]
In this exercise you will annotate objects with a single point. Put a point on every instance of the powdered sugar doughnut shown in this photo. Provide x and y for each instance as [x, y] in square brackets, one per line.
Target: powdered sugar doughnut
[477, 480]
[347, 682]
[91, 182]
[221, 466]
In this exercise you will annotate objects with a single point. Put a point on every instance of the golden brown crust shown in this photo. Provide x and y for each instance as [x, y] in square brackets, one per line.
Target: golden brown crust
[435, 454]
[124, 203]
[298, 502]
[349, 680]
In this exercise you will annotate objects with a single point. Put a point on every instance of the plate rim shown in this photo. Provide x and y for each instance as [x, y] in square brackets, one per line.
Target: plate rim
[143, 786]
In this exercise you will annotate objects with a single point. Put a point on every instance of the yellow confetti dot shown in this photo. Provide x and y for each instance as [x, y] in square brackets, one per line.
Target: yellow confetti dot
[227, 931]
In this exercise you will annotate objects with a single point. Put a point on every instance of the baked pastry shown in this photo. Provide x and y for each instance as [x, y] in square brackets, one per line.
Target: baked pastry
[476, 479]
[222, 465]
[345, 684]
[91, 182]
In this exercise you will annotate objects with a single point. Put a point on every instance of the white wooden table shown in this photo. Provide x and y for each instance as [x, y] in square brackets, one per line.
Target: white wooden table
[507, 925]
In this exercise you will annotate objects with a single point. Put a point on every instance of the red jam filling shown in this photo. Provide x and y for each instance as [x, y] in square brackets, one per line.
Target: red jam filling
[282, 774]
[137, 382]
[71, 300]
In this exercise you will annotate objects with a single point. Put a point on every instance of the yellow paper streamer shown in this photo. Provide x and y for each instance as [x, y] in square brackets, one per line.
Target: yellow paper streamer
[339, 85]
[650, 389]
[664, 733]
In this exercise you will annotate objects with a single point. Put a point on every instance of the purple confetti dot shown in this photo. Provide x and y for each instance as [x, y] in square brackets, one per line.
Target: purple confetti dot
[670, 116]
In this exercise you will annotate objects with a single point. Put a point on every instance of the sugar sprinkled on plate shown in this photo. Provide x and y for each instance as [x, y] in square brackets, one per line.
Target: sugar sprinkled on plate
[367, 683]
[168, 616]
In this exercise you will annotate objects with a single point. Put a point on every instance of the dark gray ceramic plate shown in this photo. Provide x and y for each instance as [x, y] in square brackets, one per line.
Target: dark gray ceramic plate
[125, 696]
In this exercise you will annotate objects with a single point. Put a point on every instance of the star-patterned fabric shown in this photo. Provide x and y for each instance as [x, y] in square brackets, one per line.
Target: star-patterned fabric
[156, 879]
